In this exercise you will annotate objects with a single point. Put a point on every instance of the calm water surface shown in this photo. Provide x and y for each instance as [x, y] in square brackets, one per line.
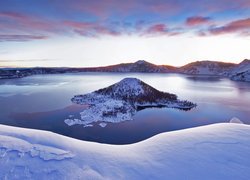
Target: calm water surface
[43, 102]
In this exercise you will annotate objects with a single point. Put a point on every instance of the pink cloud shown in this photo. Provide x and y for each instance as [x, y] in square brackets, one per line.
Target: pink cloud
[160, 29]
[78, 25]
[102, 9]
[13, 15]
[197, 20]
[240, 26]
[23, 22]
[90, 29]
[21, 37]
[157, 28]
[105, 8]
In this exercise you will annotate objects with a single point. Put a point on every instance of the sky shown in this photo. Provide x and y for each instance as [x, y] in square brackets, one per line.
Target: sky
[84, 33]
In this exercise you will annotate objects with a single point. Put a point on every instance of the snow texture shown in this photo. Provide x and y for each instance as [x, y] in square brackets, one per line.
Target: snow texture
[218, 151]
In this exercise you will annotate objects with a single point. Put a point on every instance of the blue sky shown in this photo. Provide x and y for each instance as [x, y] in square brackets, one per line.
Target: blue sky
[101, 32]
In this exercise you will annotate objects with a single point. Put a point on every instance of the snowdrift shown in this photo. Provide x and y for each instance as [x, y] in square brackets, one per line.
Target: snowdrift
[218, 151]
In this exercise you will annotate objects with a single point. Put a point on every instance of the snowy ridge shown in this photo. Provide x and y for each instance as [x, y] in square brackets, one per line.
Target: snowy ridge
[207, 68]
[242, 67]
[237, 72]
[243, 76]
[127, 86]
[218, 151]
[241, 72]
[120, 101]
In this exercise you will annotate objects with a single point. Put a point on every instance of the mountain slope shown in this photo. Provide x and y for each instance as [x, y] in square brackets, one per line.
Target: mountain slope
[241, 72]
[138, 66]
[135, 90]
[206, 68]
[238, 72]
[219, 151]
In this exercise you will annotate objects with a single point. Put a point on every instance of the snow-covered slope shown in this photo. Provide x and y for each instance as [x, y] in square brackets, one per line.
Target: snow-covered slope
[138, 66]
[241, 72]
[219, 151]
[243, 76]
[236, 72]
[241, 67]
[206, 68]
[120, 101]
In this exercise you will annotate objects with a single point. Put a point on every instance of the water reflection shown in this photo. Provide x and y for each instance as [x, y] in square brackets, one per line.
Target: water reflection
[203, 78]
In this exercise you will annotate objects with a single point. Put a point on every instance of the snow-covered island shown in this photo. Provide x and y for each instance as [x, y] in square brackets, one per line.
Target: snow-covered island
[218, 151]
[120, 101]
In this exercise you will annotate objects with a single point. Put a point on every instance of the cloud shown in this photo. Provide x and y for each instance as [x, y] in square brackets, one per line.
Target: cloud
[241, 26]
[157, 29]
[107, 8]
[90, 29]
[13, 15]
[94, 18]
[197, 20]
[22, 23]
[160, 29]
[21, 37]
[27, 60]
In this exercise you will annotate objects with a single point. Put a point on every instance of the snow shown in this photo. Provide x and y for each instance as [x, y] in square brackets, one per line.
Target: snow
[10, 144]
[71, 116]
[128, 85]
[236, 120]
[242, 67]
[102, 124]
[236, 72]
[241, 72]
[218, 151]
[88, 125]
[242, 76]
[71, 122]
[104, 109]
[205, 68]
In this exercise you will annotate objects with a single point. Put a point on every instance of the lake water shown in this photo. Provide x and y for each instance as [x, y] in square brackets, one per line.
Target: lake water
[43, 102]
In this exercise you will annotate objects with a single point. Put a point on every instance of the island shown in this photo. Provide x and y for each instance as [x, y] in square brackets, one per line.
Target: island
[120, 101]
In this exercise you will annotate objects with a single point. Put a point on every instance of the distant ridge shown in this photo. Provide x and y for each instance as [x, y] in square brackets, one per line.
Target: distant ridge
[239, 72]
[207, 68]
[138, 66]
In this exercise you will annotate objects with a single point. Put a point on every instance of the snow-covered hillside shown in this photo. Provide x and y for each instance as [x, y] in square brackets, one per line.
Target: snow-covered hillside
[219, 151]
[206, 68]
[243, 76]
[120, 101]
[241, 72]
[138, 66]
